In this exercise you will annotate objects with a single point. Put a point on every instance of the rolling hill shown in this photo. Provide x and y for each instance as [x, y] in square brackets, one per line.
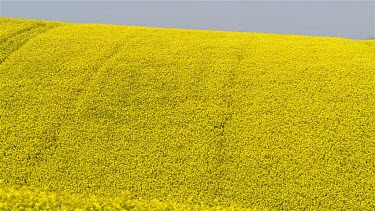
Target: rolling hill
[202, 119]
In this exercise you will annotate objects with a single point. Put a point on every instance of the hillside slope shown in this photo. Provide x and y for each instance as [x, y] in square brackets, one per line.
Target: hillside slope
[220, 118]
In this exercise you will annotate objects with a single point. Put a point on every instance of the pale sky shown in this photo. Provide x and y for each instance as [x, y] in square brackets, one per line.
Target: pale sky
[349, 19]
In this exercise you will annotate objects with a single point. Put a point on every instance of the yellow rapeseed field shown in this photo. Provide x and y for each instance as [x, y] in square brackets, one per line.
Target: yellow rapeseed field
[121, 117]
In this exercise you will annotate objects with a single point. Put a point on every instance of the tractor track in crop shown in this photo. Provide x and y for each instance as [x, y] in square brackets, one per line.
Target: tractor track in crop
[19, 32]
[14, 42]
[222, 143]
[95, 77]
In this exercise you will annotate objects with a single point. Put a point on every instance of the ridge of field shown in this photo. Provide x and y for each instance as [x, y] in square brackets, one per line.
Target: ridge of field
[220, 118]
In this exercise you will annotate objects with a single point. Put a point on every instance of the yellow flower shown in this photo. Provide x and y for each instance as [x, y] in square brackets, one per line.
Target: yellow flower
[153, 118]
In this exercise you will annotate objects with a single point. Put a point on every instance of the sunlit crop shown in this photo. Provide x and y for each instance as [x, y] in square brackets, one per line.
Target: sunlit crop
[173, 118]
